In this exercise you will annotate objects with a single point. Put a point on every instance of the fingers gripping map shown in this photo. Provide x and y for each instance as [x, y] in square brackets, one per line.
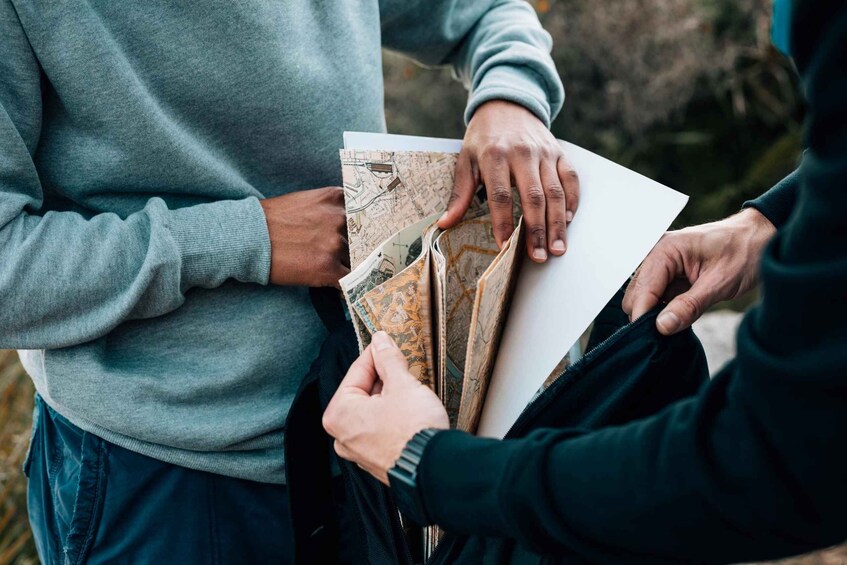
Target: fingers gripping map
[442, 295]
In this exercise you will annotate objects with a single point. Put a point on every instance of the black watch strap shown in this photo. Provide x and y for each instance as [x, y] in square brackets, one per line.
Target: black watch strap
[403, 478]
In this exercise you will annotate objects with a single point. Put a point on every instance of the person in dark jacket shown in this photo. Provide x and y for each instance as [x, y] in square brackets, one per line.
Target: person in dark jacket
[750, 468]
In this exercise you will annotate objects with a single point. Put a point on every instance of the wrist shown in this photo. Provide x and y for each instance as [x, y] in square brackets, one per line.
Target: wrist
[749, 234]
[519, 85]
[498, 107]
[403, 477]
[758, 226]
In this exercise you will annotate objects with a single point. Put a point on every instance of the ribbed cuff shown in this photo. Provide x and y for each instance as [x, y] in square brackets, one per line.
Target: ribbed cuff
[521, 85]
[778, 203]
[222, 240]
[459, 478]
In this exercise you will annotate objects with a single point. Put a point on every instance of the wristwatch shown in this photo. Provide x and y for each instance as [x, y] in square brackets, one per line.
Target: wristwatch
[403, 478]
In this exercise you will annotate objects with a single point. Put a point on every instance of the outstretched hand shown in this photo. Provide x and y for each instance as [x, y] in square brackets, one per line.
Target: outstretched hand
[505, 146]
[378, 407]
[694, 268]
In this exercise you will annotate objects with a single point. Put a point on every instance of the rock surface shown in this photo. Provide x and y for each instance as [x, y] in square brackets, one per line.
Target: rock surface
[716, 331]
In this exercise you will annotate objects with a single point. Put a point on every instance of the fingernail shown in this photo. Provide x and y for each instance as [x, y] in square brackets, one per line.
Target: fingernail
[668, 321]
[539, 254]
[569, 216]
[558, 245]
[381, 341]
[443, 217]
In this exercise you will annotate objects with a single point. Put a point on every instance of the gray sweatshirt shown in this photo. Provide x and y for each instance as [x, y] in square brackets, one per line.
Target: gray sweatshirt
[136, 139]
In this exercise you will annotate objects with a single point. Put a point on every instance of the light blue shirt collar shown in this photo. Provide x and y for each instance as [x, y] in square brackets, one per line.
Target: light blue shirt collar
[781, 26]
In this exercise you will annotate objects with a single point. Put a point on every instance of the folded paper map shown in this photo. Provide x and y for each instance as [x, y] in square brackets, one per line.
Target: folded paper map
[480, 325]
[441, 294]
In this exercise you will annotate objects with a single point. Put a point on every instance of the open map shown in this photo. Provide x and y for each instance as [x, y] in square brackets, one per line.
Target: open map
[486, 328]
[390, 291]
[468, 249]
[443, 295]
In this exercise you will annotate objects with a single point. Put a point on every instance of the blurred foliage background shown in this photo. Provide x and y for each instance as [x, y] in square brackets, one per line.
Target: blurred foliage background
[16, 397]
[688, 92]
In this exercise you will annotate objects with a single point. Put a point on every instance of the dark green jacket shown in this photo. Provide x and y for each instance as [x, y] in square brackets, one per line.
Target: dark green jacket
[753, 467]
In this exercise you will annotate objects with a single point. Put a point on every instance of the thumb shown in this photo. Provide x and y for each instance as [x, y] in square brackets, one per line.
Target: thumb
[389, 361]
[361, 376]
[651, 280]
[685, 308]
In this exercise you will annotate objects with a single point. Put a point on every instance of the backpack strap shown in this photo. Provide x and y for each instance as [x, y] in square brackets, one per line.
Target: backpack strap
[308, 466]
[329, 305]
[371, 529]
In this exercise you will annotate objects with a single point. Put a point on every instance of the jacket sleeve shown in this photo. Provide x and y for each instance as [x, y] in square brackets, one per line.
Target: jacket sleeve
[497, 48]
[778, 202]
[66, 278]
[750, 469]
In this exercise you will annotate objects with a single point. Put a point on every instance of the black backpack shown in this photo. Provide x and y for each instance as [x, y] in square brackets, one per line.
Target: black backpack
[342, 514]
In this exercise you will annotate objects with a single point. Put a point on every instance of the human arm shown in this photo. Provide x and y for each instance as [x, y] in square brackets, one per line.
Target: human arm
[695, 268]
[377, 388]
[66, 278]
[500, 52]
[70, 276]
[749, 469]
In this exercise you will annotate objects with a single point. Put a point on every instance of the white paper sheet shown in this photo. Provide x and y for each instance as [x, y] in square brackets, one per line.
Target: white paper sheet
[621, 216]
[364, 141]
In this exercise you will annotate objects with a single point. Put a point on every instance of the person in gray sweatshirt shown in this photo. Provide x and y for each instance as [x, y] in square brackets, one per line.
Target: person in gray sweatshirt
[169, 191]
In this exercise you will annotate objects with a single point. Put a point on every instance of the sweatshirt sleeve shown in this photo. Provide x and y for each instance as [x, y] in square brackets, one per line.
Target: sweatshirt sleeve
[497, 48]
[66, 278]
[750, 469]
[777, 203]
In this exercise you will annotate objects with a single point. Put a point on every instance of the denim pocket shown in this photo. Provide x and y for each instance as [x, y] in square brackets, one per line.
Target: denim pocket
[33, 441]
[76, 473]
[89, 500]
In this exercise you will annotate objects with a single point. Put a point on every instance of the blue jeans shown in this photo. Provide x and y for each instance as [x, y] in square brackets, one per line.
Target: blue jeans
[91, 501]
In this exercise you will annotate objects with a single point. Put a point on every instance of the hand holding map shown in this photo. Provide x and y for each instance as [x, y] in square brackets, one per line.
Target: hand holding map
[399, 267]
[525, 316]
